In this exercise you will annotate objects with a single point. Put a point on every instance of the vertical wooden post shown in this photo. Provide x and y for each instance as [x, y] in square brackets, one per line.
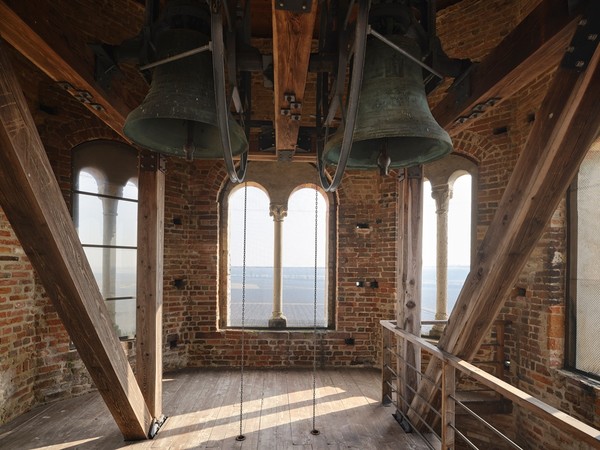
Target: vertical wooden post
[448, 405]
[151, 211]
[409, 279]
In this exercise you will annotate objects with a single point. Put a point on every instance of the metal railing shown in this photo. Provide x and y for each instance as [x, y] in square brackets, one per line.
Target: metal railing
[401, 377]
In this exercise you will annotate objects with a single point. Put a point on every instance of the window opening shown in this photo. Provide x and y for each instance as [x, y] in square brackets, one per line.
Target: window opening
[584, 252]
[105, 216]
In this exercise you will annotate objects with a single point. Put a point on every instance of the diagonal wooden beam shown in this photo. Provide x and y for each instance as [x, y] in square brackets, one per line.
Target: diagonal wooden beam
[33, 203]
[535, 46]
[568, 124]
[292, 39]
[52, 56]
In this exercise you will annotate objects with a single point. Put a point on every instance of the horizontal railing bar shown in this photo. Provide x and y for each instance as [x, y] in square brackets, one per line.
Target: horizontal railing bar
[433, 322]
[389, 383]
[464, 438]
[429, 444]
[391, 325]
[386, 366]
[486, 423]
[418, 416]
[429, 405]
[433, 382]
[557, 418]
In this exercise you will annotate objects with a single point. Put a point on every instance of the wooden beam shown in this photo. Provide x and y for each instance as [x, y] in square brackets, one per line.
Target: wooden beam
[151, 220]
[292, 39]
[534, 47]
[52, 56]
[568, 124]
[33, 203]
[408, 310]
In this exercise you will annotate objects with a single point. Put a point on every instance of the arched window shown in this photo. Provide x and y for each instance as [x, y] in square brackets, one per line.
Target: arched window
[299, 258]
[259, 257]
[105, 215]
[447, 238]
[280, 255]
[583, 351]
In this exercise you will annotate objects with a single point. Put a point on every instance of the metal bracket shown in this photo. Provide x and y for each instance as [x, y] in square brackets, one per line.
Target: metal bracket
[285, 155]
[297, 6]
[105, 67]
[586, 38]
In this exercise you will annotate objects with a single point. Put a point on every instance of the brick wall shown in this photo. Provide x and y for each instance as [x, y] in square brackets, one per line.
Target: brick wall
[192, 255]
[37, 365]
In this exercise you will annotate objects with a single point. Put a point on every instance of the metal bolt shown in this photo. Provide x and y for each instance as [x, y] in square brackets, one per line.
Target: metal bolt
[580, 64]
[285, 112]
[96, 107]
[582, 22]
[570, 49]
[592, 37]
[295, 117]
[289, 97]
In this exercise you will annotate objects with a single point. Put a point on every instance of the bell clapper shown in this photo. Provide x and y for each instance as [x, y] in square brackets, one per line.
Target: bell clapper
[189, 146]
[384, 161]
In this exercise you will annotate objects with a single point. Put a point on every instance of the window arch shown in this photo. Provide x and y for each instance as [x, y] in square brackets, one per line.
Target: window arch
[259, 259]
[105, 216]
[447, 236]
[583, 352]
[299, 258]
[280, 260]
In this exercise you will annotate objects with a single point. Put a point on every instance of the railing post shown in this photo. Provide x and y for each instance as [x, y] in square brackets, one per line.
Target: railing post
[386, 374]
[448, 406]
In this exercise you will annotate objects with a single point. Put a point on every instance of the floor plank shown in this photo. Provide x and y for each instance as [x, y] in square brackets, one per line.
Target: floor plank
[203, 413]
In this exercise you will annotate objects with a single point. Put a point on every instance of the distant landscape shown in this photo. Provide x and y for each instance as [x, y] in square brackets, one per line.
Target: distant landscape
[298, 294]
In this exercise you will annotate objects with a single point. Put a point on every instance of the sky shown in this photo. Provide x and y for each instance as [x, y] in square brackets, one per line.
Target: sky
[459, 224]
[298, 230]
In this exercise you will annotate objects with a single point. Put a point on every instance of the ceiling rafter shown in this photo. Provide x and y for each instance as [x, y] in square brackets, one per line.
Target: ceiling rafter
[53, 57]
[533, 48]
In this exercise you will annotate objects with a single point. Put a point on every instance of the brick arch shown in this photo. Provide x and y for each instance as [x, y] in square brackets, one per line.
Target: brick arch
[473, 146]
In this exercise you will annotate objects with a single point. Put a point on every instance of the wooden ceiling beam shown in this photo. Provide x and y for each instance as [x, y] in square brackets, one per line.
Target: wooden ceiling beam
[534, 47]
[292, 39]
[34, 205]
[51, 55]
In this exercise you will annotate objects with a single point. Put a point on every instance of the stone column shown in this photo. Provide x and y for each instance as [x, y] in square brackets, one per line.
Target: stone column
[441, 193]
[277, 320]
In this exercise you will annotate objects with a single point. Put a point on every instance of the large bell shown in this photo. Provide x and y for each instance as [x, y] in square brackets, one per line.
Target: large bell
[394, 124]
[178, 116]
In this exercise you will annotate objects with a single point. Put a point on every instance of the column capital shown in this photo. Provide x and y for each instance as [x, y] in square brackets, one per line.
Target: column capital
[441, 193]
[278, 212]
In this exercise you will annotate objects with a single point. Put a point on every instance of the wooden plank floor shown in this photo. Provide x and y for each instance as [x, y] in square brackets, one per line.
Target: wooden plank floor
[203, 413]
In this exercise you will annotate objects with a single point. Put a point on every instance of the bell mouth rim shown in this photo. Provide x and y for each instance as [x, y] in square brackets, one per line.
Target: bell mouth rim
[364, 154]
[142, 132]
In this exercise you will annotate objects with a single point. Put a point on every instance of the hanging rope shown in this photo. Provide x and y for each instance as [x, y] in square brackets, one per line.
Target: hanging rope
[241, 436]
[314, 430]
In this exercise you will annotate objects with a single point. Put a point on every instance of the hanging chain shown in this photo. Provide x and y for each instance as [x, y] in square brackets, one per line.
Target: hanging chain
[241, 436]
[314, 374]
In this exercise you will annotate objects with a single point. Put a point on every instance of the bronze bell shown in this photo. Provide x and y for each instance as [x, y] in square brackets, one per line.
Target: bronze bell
[394, 126]
[178, 116]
